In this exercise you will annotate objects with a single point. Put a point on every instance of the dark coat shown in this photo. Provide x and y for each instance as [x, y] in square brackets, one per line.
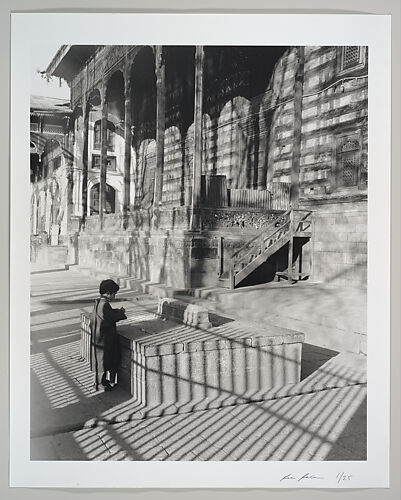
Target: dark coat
[105, 346]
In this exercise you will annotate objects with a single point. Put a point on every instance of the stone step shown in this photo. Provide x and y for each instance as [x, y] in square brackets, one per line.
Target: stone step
[327, 316]
[38, 269]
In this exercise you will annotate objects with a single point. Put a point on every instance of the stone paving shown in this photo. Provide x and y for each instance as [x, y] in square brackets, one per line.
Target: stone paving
[334, 317]
[321, 418]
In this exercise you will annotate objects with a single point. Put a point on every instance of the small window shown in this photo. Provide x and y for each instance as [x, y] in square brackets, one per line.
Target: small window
[56, 162]
[97, 138]
[97, 135]
[350, 57]
[348, 161]
[111, 162]
[111, 132]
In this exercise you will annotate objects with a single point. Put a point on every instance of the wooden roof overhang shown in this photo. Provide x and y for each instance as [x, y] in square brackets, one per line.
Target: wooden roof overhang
[69, 60]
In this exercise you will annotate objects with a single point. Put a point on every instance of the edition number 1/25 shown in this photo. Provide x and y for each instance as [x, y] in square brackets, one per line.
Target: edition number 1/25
[342, 476]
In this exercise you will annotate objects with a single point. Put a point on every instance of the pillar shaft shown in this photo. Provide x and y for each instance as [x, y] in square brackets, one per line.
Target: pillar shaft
[103, 163]
[127, 150]
[35, 216]
[160, 124]
[197, 168]
[70, 201]
[85, 154]
[297, 133]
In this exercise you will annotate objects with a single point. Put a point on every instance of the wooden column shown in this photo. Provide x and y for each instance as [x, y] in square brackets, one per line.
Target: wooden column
[296, 148]
[70, 187]
[48, 205]
[35, 215]
[197, 168]
[103, 161]
[78, 163]
[160, 129]
[291, 247]
[85, 153]
[127, 150]
[290, 256]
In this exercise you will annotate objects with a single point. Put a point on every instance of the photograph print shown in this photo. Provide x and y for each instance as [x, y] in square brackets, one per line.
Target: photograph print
[198, 253]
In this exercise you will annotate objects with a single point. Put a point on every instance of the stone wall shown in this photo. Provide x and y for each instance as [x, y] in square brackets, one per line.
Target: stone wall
[334, 113]
[184, 261]
[340, 243]
[111, 253]
[161, 257]
[169, 255]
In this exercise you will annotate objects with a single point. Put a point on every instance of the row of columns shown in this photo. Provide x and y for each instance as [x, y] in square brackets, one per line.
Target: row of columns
[195, 223]
[160, 134]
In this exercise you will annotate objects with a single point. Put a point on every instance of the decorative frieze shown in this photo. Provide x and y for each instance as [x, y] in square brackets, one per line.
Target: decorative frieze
[221, 218]
[114, 57]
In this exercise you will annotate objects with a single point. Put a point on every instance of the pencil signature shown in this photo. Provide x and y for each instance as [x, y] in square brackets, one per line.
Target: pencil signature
[300, 478]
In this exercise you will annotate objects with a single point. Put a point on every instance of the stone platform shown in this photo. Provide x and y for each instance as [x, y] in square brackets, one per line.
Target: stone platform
[170, 367]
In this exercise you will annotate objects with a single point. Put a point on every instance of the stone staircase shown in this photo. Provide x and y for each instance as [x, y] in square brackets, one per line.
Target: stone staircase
[291, 224]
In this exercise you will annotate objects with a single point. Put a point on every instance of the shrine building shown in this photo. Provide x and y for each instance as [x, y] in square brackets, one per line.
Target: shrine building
[205, 166]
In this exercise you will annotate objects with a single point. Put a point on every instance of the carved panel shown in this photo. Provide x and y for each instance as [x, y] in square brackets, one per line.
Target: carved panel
[215, 219]
[218, 89]
[350, 144]
[114, 58]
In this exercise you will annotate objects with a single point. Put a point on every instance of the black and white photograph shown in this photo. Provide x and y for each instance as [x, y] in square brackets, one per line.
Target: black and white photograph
[198, 253]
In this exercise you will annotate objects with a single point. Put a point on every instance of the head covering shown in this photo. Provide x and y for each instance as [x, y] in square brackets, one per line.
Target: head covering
[108, 286]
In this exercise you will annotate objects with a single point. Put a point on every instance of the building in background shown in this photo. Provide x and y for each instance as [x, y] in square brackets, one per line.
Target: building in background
[204, 166]
[51, 165]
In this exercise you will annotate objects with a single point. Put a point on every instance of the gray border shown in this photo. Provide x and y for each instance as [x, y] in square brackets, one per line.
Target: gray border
[255, 6]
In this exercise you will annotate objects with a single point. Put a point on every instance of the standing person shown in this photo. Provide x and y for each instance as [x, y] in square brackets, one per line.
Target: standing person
[105, 346]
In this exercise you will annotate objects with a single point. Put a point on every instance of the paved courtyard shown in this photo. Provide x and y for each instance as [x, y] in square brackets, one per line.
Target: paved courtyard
[323, 417]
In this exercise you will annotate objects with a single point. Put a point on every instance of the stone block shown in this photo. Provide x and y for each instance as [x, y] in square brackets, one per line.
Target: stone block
[188, 314]
[193, 377]
[162, 350]
[357, 237]
[217, 369]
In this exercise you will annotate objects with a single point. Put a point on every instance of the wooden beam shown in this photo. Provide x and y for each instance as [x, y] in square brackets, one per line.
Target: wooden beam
[297, 131]
[197, 168]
